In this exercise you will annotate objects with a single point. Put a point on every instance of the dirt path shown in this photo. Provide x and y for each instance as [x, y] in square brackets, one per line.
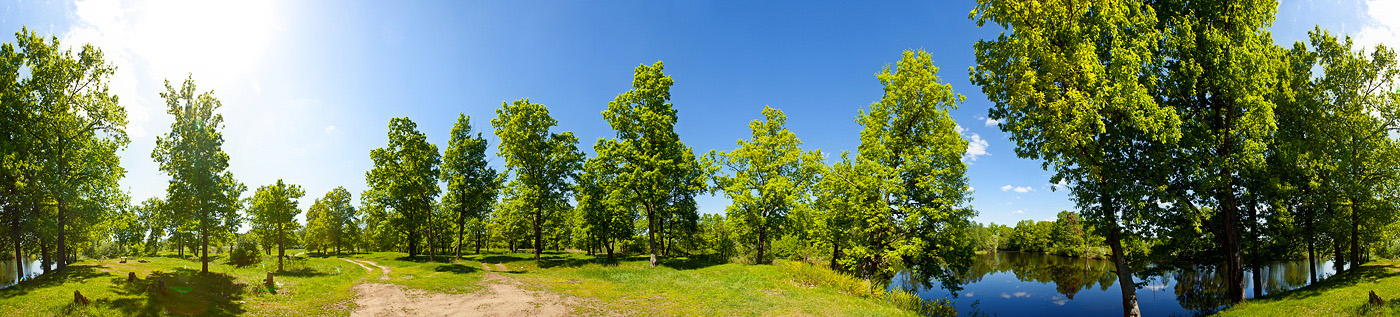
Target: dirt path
[502, 296]
[384, 270]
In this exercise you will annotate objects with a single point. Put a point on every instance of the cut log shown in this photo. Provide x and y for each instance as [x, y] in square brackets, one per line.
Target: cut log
[79, 299]
[130, 277]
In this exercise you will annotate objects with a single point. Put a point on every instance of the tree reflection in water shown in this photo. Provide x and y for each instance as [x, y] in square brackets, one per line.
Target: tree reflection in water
[1197, 291]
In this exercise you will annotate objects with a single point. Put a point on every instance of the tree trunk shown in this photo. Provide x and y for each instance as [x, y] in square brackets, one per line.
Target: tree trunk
[14, 237]
[1338, 262]
[762, 243]
[835, 252]
[461, 226]
[538, 241]
[651, 232]
[62, 238]
[1230, 238]
[1120, 260]
[1256, 260]
[1312, 246]
[204, 234]
[45, 262]
[281, 249]
[1355, 235]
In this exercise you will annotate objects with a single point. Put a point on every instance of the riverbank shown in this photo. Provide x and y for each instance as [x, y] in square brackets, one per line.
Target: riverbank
[1343, 294]
[513, 283]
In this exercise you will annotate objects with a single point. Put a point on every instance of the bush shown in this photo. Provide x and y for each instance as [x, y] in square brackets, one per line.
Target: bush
[245, 252]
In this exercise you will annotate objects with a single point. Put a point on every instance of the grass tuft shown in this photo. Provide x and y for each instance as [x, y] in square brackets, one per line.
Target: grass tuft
[809, 275]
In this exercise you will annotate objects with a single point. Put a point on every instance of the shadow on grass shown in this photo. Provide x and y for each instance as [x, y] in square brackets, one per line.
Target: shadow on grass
[456, 268]
[300, 272]
[689, 263]
[332, 254]
[79, 272]
[184, 292]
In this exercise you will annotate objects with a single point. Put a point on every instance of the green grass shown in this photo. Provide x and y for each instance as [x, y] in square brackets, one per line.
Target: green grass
[313, 285]
[1341, 295]
[324, 285]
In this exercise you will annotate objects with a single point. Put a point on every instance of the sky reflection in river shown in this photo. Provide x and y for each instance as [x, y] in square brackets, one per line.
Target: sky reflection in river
[1028, 284]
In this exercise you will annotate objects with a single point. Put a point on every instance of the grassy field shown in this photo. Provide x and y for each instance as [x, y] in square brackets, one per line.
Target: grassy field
[324, 285]
[1341, 295]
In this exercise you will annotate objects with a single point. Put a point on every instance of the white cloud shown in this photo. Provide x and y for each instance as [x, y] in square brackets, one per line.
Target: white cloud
[1061, 185]
[1018, 212]
[989, 121]
[976, 146]
[1019, 189]
[330, 128]
[1384, 27]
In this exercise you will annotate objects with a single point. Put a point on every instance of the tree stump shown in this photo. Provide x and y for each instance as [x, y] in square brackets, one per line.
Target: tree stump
[79, 299]
[269, 282]
[130, 277]
[1376, 299]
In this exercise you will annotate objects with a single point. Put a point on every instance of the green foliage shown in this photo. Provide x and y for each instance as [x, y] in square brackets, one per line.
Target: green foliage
[471, 183]
[202, 192]
[274, 210]
[245, 252]
[331, 222]
[661, 172]
[404, 181]
[771, 176]
[542, 163]
[605, 211]
[906, 191]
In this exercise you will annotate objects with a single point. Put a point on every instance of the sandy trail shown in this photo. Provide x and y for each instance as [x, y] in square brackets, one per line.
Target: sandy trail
[502, 296]
[384, 270]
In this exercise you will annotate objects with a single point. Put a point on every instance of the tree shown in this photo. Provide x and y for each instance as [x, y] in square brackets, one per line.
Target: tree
[79, 126]
[769, 177]
[404, 179]
[906, 188]
[471, 184]
[1218, 64]
[330, 222]
[541, 161]
[1359, 110]
[606, 207]
[17, 150]
[657, 167]
[1071, 85]
[192, 154]
[275, 206]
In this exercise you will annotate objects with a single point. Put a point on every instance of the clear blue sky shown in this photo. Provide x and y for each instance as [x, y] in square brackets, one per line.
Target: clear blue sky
[308, 87]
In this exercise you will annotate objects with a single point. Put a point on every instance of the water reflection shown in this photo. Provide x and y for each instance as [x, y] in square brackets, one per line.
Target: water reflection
[1014, 284]
[31, 269]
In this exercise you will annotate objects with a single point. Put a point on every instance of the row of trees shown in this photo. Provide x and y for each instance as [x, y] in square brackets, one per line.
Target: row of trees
[1183, 122]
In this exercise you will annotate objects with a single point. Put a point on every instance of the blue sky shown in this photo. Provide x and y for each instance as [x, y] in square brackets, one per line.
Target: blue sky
[308, 87]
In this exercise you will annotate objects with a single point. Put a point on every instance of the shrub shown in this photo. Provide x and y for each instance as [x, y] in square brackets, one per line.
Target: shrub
[812, 275]
[245, 252]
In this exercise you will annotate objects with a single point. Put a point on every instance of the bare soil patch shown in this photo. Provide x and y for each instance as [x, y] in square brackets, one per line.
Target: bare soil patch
[502, 296]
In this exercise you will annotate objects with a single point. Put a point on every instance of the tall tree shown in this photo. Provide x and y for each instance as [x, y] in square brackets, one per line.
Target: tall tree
[657, 167]
[406, 174]
[769, 178]
[1360, 112]
[275, 206]
[1071, 85]
[81, 125]
[471, 183]
[606, 208]
[17, 150]
[192, 154]
[1218, 64]
[907, 186]
[542, 162]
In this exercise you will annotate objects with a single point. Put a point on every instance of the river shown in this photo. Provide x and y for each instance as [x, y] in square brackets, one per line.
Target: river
[1033, 284]
[7, 271]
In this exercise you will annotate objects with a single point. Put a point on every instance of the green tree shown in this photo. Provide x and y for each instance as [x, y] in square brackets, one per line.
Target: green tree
[275, 206]
[769, 178]
[1072, 86]
[471, 184]
[1218, 63]
[542, 162]
[907, 190]
[606, 209]
[80, 127]
[657, 167]
[405, 177]
[192, 154]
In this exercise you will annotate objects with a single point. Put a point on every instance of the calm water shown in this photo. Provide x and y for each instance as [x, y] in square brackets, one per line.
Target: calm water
[1028, 284]
[7, 271]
